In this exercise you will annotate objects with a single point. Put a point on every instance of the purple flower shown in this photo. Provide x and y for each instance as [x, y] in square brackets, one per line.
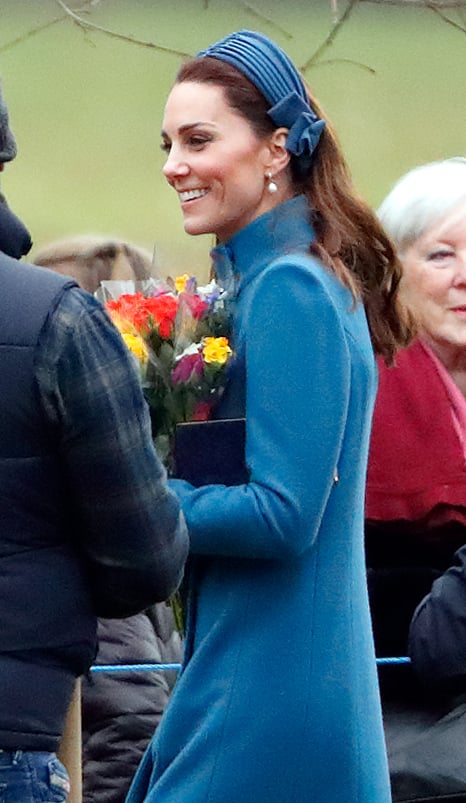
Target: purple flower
[186, 366]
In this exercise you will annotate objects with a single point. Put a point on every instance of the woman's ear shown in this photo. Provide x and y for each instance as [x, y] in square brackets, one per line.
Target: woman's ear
[278, 156]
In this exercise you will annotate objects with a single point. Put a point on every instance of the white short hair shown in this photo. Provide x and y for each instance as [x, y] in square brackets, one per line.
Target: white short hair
[422, 198]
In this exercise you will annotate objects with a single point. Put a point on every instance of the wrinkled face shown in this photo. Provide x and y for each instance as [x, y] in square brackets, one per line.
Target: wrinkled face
[434, 283]
[215, 161]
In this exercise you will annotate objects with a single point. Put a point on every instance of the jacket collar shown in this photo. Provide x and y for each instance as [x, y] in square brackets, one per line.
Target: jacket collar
[284, 229]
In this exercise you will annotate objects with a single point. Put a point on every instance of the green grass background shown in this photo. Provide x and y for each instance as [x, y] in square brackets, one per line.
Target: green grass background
[86, 109]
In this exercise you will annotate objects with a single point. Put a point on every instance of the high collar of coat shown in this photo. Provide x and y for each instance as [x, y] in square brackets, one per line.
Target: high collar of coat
[284, 229]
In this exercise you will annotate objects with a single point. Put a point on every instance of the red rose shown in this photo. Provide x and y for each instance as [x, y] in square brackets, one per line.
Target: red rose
[196, 305]
[202, 411]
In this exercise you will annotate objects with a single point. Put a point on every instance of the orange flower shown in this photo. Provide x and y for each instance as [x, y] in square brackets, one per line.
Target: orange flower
[135, 311]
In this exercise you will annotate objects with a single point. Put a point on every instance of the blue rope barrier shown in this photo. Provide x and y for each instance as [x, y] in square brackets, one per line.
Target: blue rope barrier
[176, 667]
[134, 667]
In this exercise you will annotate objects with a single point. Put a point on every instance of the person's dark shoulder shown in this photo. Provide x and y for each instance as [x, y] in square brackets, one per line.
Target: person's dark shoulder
[27, 271]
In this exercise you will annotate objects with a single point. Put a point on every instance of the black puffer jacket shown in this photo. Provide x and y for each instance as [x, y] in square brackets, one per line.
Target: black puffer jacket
[403, 562]
[120, 711]
[437, 639]
[424, 728]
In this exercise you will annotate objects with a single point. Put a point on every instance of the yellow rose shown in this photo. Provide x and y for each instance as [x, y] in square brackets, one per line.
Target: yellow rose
[180, 282]
[137, 346]
[216, 349]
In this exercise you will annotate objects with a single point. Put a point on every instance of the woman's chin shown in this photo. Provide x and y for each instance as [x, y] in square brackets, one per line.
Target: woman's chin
[196, 228]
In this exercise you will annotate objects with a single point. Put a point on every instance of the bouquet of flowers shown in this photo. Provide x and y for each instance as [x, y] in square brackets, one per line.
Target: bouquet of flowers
[179, 333]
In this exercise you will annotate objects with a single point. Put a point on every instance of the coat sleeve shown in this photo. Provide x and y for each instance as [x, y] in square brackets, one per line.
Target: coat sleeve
[437, 637]
[298, 377]
[126, 521]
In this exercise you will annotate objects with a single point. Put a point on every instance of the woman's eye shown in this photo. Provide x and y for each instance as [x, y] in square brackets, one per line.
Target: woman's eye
[440, 255]
[198, 141]
[195, 141]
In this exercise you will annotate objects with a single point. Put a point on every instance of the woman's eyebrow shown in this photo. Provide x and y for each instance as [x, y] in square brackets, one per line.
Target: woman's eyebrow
[183, 128]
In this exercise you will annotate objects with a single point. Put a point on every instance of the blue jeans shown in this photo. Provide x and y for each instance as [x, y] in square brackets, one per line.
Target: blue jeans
[30, 776]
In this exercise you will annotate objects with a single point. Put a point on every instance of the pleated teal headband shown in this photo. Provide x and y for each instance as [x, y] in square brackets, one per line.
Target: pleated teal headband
[274, 74]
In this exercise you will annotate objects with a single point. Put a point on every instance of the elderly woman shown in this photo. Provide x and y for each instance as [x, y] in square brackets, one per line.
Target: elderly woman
[416, 487]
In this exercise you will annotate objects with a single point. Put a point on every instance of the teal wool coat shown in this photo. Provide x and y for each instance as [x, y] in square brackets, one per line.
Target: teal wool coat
[277, 700]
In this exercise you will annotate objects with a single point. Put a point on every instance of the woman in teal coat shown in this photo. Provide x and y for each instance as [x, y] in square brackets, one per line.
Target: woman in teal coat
[277, 700]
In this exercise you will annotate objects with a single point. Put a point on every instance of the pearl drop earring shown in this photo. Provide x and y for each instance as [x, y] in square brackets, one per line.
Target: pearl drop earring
[271, 186]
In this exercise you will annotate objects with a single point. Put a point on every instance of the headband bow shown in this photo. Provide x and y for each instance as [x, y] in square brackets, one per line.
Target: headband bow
[304, 126]
[274, 74]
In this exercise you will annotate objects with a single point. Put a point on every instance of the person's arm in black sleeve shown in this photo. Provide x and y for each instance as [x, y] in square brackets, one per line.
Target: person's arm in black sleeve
[127, 520]
[437, 637]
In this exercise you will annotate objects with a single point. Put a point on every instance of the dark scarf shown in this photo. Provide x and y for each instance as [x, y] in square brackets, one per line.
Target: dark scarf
[417, 469]
[15, 239]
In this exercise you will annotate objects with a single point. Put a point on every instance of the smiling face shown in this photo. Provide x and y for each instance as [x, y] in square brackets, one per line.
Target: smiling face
[216, 163]
[434, 284]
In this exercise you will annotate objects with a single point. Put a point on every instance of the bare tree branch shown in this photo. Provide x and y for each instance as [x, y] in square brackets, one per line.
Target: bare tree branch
[263, 18]
[91, 26]
[331, 36]
[41, 28]
[437, 4]
[29, 34]
[358, 64]
[446, 19]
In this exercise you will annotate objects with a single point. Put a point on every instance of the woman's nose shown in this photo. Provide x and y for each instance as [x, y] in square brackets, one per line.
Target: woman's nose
[460, 277]
[174, 166]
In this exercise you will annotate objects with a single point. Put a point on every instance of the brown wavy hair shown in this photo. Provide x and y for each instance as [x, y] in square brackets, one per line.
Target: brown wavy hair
[349, 238]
